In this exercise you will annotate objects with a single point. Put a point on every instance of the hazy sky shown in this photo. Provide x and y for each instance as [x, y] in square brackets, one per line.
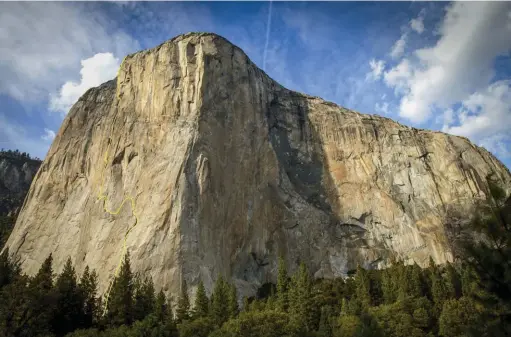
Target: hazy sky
[442, 66]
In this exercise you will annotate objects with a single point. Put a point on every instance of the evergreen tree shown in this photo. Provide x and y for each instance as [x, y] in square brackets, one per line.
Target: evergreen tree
[70, 303]
[416, 288]
[201, 306]
[489, 256]
[363, 287]
[41, 303]
[282, 286]
[325, 326]
[219, 305]
[389, 285]
[16, 309]
[454, 281]
[89, 291]
[144, 298]
[460, 318]
[9, 271]
[183, 304]
[232, 301]
[120, 299]
[439, 290]
[299, 299]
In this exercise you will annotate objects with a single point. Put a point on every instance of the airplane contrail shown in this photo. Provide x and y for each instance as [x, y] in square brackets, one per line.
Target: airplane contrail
[268, 28]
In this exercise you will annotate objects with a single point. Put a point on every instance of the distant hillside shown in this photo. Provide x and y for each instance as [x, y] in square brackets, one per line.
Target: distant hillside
[17, 169]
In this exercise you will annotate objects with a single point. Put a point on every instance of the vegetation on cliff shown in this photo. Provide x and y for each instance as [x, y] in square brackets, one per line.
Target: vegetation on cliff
[470, 298]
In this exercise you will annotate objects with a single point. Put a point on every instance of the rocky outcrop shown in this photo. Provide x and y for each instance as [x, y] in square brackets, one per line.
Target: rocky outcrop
[202, 165]
[16, 174]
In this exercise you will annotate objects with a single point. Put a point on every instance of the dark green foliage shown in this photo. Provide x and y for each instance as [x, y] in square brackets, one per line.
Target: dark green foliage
[219, 305]
[70, 302]
[120, 300]
[9, 271]
[325, 322]
[259, 323]
[300, 299]
[144, 298]
[201, 307]
[460, 318]
[89, 292]
[232, 301]
[489, 258]
[282, 286]
[183, 305]
[199, 327]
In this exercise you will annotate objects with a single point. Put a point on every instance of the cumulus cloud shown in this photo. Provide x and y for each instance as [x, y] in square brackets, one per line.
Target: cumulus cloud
[485, 114]
[95, 70]
[49, 135]
[460, 64]
[42, 43]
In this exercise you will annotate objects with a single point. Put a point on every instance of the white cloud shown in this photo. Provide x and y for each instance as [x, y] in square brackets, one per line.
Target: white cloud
[43, 43]
[485, 114]
[399, 47]
[460, 64]
[382, 108]
[49, 135]
[399, 76]
[417, 24]
[96, 70]
[377, 68]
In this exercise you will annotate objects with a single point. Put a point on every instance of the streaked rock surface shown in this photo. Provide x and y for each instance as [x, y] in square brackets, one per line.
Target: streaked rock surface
[229, 170]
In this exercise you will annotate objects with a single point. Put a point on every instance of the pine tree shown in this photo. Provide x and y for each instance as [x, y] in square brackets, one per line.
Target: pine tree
[41, 302]
[144, 298]
[232, 301]
[389, 285]
[453, 281]
[282, 286]
[363, 287]
[89, 290]
[120, 299]
[299, 298]
[70, 303]
[439, 290]
[201, 306]
[219, 305]
[325, 326]
[161, 309]
[9, 271]
[183, 305]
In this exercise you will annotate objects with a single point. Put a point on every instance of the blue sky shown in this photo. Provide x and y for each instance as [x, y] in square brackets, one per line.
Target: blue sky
[433, 65]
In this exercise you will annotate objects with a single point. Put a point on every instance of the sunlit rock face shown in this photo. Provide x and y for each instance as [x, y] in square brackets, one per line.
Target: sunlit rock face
[221, 170]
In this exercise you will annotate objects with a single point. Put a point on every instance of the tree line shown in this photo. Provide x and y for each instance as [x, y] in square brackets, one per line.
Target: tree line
[16, 154]
[469, 298]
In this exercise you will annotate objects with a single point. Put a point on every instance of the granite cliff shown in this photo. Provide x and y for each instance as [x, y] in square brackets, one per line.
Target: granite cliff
[207, 166]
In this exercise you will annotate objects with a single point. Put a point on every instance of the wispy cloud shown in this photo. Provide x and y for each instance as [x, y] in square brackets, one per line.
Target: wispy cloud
[458, 69]
[49, 135]
[42, 43]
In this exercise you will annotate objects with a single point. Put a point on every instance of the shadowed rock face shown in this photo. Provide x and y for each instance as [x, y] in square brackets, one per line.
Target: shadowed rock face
[229, 170]
[16, 174]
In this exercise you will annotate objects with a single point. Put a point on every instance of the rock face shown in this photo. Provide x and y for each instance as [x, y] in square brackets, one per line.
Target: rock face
[202, 165]
[16, 174]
